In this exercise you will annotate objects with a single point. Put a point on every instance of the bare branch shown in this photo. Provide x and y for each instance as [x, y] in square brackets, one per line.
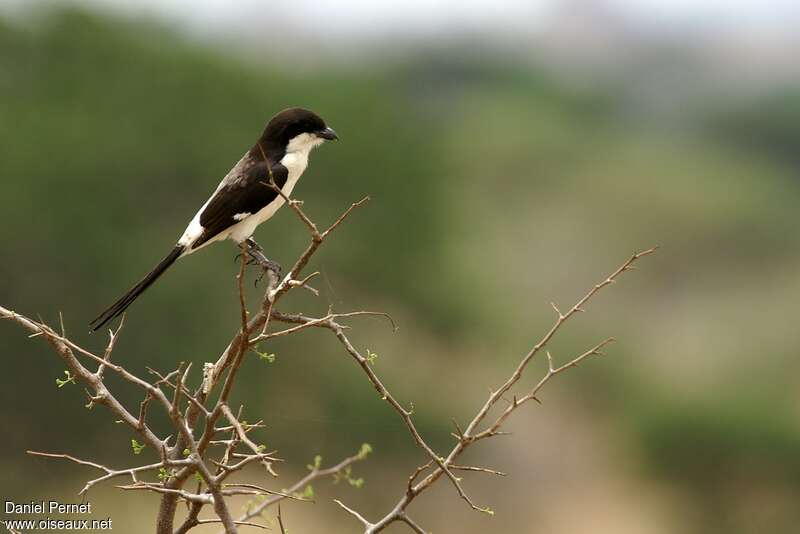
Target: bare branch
[204, 498]
[112, 341]
[110, 473]
[471, 434]
[367, 525]
[280, 520]
[265, 459]
[240, 523]
[314, 474]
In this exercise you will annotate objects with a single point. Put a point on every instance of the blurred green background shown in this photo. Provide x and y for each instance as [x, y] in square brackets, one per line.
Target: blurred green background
[502, 178]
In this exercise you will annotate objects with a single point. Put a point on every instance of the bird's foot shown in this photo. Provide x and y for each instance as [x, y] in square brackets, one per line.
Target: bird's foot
[256, 256]
[268, 266]
[249, 260]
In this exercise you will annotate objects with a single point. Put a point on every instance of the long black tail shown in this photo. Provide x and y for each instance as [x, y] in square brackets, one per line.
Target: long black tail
[116, 309]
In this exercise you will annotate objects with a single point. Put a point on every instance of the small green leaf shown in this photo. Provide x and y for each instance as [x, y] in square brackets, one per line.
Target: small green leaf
[186, 452]
[264, 356]
[136, 446]
[371, 357]
[70, 379]
[346, 474]
[317, 463]
[163, 474]
[365, 450]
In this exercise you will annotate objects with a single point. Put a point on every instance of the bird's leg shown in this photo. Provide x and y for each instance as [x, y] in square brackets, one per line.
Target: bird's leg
[256, 254]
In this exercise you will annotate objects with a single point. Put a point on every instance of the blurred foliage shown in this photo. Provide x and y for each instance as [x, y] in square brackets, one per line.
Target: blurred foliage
[495, 189]
[737, 458]
[707, 446]
[770, 125]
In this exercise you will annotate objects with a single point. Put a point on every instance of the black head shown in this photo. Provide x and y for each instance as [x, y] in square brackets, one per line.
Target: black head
[289, 125]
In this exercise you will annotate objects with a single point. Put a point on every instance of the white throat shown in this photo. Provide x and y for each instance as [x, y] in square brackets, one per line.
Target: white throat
[297, 151]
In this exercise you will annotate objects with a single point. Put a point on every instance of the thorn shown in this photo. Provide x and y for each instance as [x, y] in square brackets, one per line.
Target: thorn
[458, 428]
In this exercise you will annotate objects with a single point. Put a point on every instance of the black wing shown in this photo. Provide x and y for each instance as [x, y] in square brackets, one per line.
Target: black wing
[247, 193]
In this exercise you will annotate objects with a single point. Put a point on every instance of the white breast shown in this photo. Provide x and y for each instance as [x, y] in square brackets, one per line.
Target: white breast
[295, 163]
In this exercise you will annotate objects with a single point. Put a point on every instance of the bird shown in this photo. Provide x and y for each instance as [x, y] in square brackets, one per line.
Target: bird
[246, 197]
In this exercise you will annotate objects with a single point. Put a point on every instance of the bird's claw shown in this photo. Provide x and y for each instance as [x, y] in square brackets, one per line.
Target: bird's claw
[266, 266]
[255, 256]
[250, 260]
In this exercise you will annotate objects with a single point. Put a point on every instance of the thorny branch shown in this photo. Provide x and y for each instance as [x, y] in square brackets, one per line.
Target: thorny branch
[314, 474]
[186, 451]
[195, 418]
[472, 433]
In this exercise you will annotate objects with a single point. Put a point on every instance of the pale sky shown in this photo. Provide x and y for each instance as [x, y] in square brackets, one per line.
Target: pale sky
[371, 18]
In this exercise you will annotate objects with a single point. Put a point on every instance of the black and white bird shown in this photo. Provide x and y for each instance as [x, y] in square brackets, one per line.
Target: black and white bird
[244, 198]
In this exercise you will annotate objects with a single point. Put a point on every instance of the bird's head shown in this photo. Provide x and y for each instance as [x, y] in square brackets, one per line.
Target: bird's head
[295, 130]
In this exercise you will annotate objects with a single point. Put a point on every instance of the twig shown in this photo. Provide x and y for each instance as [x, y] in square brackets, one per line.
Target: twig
[314, 474]
[471, 435]
[280, 520]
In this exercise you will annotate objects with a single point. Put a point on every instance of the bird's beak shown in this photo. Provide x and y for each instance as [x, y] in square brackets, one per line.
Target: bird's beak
[328, 133]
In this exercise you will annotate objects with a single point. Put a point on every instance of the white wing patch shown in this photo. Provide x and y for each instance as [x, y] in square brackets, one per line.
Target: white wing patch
[241, 216]
[194, 230]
